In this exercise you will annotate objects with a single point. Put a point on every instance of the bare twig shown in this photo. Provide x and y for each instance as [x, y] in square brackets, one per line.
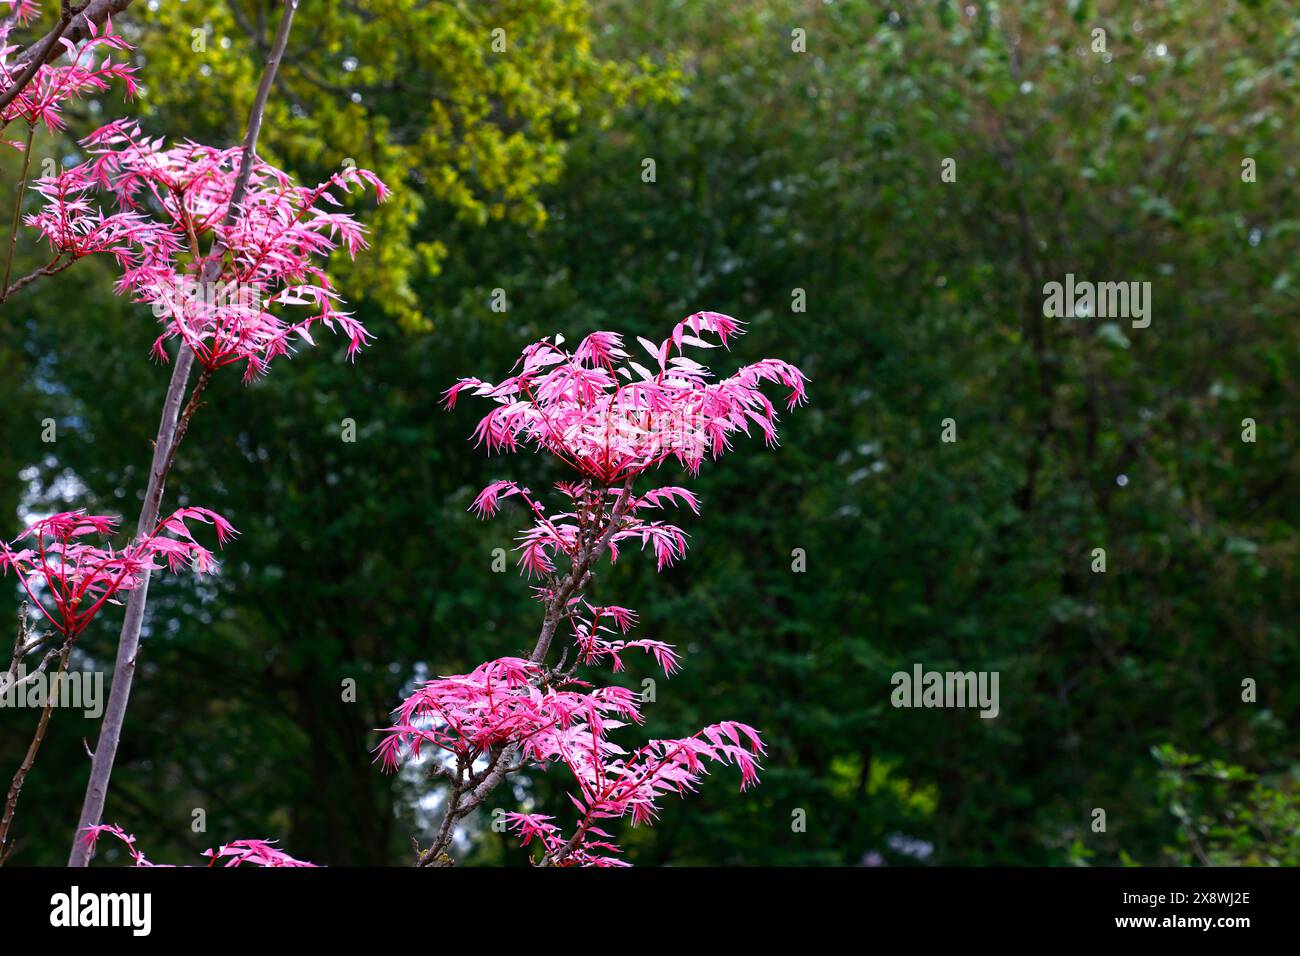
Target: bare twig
[20, 777]
[53, 267]
[13, 682]
[18, 206]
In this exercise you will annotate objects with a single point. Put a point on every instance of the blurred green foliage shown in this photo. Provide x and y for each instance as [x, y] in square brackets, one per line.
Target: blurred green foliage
[1227, 816]
[776, 171]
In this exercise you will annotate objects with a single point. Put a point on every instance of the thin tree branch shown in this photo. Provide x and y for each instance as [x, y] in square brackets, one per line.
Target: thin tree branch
[18, 205]
[29, 759]
[53, 267]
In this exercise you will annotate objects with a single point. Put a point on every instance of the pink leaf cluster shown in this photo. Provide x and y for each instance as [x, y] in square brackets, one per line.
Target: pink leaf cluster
[558, 533]
[497, 703]
[612, 418]
[238, 853]
[21, 12]
[42, 100]
[507, 702]
[267, 286]
[253, 853]
[596, 640]
[70, 580]
[612, 787]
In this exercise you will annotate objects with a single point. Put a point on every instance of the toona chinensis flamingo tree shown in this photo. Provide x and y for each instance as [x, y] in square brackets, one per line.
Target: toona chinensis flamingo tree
[611, 420]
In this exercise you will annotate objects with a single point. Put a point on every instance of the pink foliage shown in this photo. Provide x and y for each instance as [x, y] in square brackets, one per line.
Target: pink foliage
[42, 100]
[610, 422]
[612, 418]
[70, 580]
[270, 288]
[238, 853]
[252, 853]
[506, 701]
